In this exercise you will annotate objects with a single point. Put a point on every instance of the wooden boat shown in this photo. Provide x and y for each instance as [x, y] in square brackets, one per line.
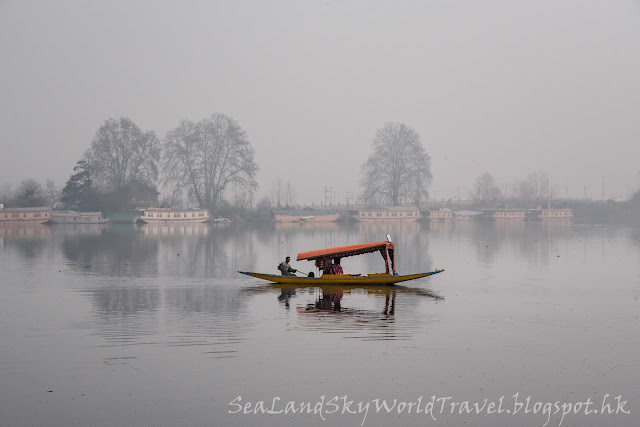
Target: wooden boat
[323, 259]
[221, 220]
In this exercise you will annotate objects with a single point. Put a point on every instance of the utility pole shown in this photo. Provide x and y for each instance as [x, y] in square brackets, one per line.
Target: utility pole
[328, 192]
[603, 187]
[349, 197]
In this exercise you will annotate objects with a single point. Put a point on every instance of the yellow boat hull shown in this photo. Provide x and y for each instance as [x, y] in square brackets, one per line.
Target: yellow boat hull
[341, 279]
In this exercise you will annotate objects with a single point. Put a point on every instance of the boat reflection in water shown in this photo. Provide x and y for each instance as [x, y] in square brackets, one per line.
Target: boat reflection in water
[366, 312]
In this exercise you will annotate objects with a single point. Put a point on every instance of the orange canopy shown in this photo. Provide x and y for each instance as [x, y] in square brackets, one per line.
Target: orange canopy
[345, 251]
[387, 250]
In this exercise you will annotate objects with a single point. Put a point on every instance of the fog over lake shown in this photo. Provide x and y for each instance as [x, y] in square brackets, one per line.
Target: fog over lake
[504, 88]
[152, 325]
[505, 134]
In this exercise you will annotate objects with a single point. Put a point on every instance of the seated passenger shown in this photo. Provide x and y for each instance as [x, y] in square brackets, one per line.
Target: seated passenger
[336, 268]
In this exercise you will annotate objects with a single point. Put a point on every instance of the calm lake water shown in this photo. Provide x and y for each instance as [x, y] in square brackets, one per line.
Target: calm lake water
[152, 325]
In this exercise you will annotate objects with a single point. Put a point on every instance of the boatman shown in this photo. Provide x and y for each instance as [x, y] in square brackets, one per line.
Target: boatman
[285, 268]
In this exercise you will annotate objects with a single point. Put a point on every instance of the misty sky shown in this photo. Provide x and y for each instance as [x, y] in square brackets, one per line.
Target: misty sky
[505, 87]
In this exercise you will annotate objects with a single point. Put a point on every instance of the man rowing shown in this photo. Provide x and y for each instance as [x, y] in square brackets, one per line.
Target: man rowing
[285, 268]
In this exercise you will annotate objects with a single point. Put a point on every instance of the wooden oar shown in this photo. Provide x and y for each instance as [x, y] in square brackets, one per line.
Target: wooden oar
[306, 274]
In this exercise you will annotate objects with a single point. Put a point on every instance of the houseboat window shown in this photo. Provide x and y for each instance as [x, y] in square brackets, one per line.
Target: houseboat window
[185, 215]
[193, 215]
[159, 215]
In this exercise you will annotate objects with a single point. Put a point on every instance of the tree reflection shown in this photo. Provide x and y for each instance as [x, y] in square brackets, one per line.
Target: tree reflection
[202, 250]
[29, 240]
[115, 251]
[532, 241]
[125, 301]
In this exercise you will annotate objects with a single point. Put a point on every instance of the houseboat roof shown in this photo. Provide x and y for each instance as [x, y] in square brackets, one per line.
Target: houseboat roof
[392, 209]
[345, 251]
[171, 209]
[307, 212]
[41, 208]
[468, 213]
[74, 213]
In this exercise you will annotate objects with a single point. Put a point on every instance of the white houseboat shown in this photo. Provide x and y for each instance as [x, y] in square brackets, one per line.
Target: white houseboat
[555, 213]
[396, 213]
[443, 213]
[39, 214]
[72, 217]
[169, 215]
[504, 214]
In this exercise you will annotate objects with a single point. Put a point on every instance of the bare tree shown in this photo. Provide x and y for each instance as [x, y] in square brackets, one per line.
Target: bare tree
[171, 201]
[121, 153]
[263, 204]
[399, 169]
[485, 189]
[204, 158]
[241, 198]
[290, 194]
[283, 194]
[29, 194]
[6, 193]
[53, 192]
[278, 193]
[536, 188]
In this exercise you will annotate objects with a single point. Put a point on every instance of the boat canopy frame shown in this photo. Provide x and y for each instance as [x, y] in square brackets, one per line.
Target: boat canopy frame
[323, 256]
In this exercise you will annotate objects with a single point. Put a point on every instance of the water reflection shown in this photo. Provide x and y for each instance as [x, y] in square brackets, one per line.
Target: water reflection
[203, 250]
[534, 241]
[306, 226]
[110, 302]
[29, 239]
[113, 251]
[365, 313]
[185, 250]
[206, 317]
